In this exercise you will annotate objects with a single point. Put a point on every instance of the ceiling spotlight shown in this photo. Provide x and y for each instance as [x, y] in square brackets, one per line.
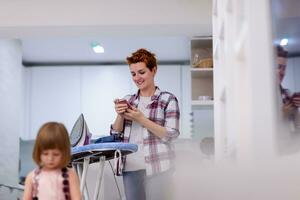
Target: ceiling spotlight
[284, 42]
[97, 48]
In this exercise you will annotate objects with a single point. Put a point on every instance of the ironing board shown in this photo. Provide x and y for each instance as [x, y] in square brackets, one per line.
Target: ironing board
[82, 156]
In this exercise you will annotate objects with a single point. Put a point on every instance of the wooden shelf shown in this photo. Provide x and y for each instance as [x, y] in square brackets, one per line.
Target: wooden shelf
[203, 104]
[202, 72]
[202, 42]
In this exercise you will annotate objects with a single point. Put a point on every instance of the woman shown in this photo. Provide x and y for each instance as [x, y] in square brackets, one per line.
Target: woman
[291, 101]
[150, 118]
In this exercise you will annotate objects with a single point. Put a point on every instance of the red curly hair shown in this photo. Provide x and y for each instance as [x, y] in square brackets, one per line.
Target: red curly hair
[143, 55]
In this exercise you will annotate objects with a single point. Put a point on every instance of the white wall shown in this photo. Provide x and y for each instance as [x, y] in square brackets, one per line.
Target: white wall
[11, 115]
[54, 95]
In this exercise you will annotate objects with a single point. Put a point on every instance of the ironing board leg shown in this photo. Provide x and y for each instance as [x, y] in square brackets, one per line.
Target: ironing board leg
[78, 167]
[99, 178]
[86, 163]
[86, 193]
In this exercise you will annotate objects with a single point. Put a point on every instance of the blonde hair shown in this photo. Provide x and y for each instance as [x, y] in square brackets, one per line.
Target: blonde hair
[52, 135]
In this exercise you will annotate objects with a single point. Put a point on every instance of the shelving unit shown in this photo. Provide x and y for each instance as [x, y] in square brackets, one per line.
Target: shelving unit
[201, 85]
[202, 82]
[202, 103]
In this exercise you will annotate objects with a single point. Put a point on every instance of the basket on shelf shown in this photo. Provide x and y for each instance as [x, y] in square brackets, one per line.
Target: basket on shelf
[204, 63]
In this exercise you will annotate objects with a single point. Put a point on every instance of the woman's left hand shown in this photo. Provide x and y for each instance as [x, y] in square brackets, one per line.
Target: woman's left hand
[133, 114]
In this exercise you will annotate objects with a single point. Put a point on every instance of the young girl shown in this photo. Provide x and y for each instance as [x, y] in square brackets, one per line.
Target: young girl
[52, 179]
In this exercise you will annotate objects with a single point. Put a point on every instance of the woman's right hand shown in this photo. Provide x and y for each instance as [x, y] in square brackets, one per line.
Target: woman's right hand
[120, 107]
[288, 108]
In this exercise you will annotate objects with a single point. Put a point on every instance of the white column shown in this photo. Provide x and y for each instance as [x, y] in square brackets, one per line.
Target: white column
[11, 113]
[244, 80]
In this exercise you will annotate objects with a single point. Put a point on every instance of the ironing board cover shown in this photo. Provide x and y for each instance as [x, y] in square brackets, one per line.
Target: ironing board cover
[101, 149]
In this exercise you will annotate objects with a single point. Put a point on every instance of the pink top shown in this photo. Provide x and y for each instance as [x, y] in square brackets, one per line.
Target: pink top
[50, 185]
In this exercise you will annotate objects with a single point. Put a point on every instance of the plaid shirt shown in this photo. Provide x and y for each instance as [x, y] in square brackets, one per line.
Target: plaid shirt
[285, 95]
[163, 110]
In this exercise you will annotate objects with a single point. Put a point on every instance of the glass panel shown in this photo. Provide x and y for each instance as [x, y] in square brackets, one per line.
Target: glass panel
[286, 20]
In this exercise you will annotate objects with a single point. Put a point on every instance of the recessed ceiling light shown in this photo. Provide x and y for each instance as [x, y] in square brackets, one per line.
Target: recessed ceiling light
[284, 42]
[97, 48]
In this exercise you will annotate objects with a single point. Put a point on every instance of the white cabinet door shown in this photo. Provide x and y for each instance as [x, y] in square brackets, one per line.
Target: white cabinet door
[186, 110]
[54, 96]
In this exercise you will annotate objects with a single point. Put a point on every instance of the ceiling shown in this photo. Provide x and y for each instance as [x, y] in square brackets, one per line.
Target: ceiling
[60, 31]
[169, 42]
[62, 50]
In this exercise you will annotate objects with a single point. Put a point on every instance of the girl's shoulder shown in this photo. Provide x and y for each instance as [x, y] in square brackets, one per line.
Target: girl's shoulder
[30, 175]
[33, 173]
